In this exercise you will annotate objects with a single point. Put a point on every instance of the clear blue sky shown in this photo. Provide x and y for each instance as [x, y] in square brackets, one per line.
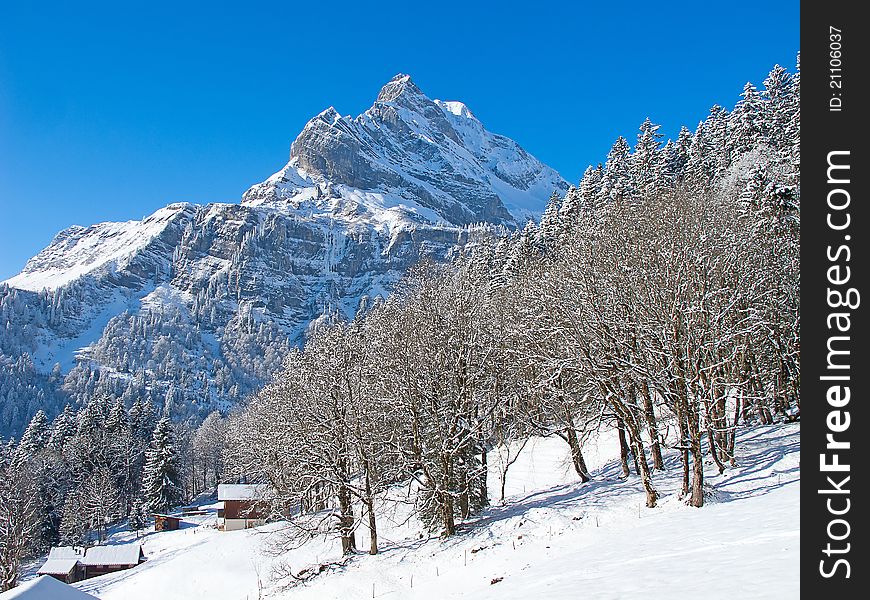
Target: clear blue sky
[109, 111]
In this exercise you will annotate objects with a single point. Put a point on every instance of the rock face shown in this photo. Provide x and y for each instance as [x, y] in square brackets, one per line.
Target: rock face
[434, 157]
[195, 306]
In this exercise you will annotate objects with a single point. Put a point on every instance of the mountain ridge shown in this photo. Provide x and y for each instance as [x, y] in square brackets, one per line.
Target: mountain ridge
[194, 306]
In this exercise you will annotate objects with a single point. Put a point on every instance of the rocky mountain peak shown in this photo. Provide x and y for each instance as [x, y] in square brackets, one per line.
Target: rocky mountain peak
[433, 158]
[400, 88]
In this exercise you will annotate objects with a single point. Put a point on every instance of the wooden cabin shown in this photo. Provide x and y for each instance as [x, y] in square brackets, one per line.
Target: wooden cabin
[69, 564]
[166, 522]
[67, 570]
[244, 506]
[100, 560]
[64, 564]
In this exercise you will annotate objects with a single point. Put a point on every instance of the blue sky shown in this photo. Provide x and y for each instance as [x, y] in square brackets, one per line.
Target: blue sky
[109, 111]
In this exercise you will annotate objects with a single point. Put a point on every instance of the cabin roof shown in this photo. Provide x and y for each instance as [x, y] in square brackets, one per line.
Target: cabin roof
[241, 491]
[58, 566]
[66, 552]
[45, 588]
[120, 554]
[62, 559]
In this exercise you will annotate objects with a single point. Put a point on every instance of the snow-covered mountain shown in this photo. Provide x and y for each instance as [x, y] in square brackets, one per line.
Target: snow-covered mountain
[195, 306]
[412, 157]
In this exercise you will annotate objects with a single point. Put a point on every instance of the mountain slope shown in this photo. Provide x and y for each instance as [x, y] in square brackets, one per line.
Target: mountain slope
[195, 306]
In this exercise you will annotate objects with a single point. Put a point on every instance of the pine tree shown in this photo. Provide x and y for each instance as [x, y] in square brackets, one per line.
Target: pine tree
[617, 183]
[677, 156]
[147, 419]
[777, 107]
[646, 162]
[138, 517]
[74, 523]
[550, 219]
[63, 428]
[794, 126]
[161, 483]
[35, 436]
[117, 419]
[746, 122]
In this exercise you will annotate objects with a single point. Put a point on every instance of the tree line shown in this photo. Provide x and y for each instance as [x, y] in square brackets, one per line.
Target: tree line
[66, 481]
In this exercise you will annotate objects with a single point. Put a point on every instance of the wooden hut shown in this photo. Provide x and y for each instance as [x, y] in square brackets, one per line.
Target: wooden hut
[244, 506]
[64, 564]
[166, 522]
[100, 560]
[69, 564]
[67, 570]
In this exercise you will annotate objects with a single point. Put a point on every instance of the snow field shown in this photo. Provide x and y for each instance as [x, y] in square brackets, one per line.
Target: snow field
[553, 538]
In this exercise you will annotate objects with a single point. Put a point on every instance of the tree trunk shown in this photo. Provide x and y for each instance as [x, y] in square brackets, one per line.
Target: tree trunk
[447, 515]
[713, 450]
[645, 476]
[640, 460]
[464, 502]
[679, 409]
[577, 454]
[732, 436]
[482, 480]
[713, 437]
[370, 506]
[697, 495]
[623, 448]
[653, 426]
[447, 497]
[346, 521]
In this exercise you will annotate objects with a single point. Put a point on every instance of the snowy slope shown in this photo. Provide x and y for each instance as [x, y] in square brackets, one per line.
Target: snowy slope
[45, 588]
[554, 538]
[106, 248]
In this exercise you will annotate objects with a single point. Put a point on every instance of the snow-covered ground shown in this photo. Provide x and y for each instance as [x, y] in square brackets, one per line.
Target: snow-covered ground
[553, 538]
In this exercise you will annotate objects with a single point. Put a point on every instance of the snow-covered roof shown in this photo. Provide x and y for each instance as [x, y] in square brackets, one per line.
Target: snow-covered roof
[241, 491]
[58, 566]
[120, 554]
[45, 588]
[66, 552]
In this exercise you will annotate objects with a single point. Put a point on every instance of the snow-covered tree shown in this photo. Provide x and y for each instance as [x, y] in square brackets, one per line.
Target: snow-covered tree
[161, 482]
[138, 519]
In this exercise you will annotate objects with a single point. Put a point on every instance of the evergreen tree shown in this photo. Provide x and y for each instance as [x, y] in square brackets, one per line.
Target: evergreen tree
[117, 419]
[63, 428]
[646, 162]
[617, 181]
[36, 435]
[550, 219]
[746, 122]
[138, 517]
[74, 523]
[711, 147]
[676, 156]
[777, 106]
[161, 483]
[793, 138]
